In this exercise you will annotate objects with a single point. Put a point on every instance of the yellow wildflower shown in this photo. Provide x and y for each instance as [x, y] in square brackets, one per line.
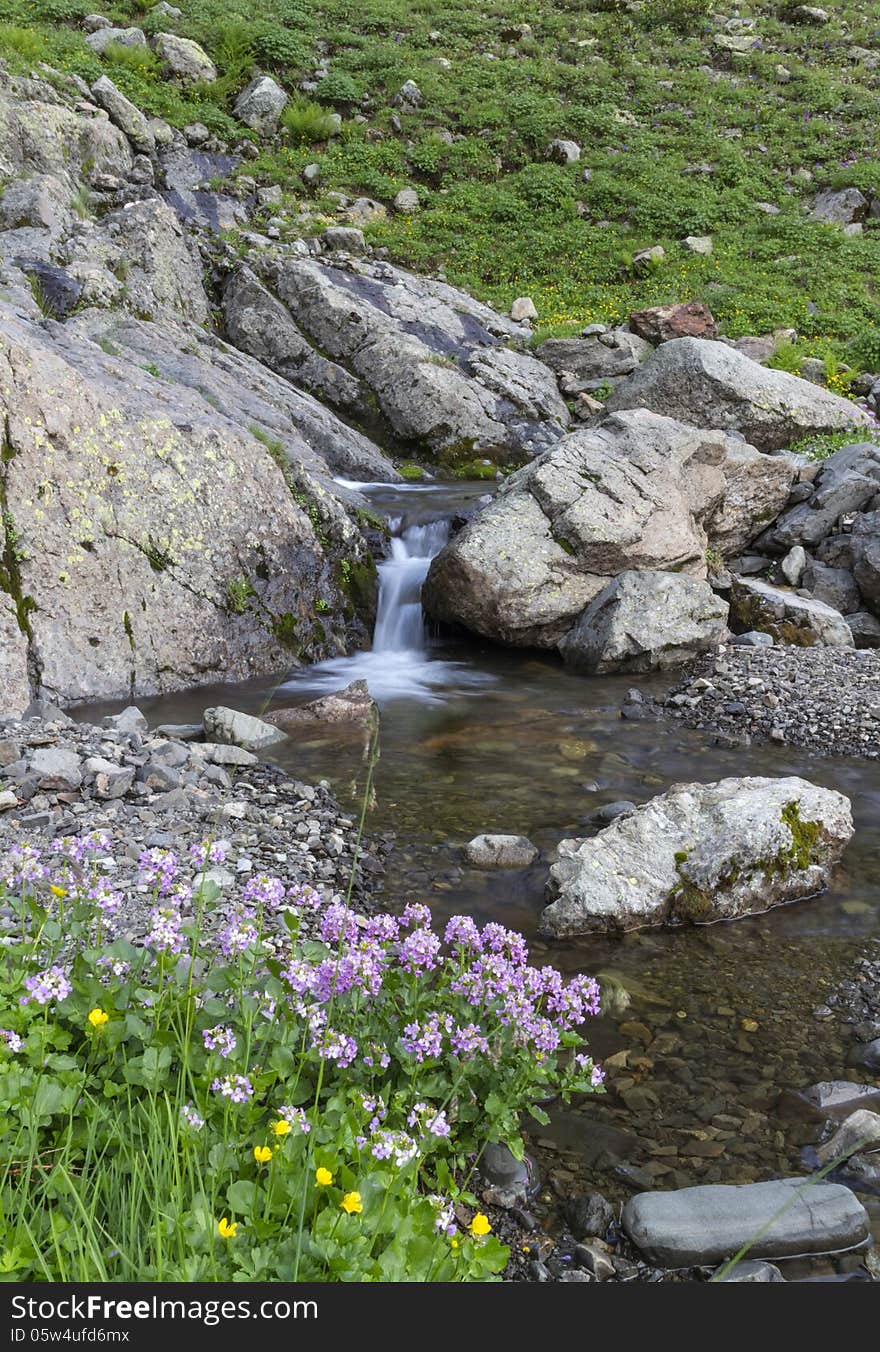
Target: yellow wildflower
[58, 891]
[227, 1228]
[97, 1017]
[323, 1178]
[480, 1225]
[280, 1128]
[352, 1203]
[262, 1154]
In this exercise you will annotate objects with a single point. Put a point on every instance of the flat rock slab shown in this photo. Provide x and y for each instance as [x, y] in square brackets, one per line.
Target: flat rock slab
[708, 1224]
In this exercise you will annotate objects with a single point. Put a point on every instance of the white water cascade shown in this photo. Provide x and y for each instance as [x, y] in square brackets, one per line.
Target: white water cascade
[400, 622]
[402, 663]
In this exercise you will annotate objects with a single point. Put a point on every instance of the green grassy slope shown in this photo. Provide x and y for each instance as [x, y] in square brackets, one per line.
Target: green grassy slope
[652, 100]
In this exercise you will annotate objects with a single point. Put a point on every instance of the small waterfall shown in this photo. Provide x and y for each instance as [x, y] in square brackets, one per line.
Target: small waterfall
[402, 664]
[400, 623]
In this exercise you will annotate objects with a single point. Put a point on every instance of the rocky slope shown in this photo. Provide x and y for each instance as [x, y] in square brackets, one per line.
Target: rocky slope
[148, 376]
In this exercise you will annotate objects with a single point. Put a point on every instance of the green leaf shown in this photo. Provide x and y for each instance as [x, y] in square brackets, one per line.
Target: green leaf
[241, 1196]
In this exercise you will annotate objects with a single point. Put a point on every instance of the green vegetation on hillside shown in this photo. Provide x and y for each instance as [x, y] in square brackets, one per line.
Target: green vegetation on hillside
[678, 137]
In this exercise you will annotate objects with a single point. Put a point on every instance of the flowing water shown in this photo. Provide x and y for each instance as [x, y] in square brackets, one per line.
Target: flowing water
[708, 1028]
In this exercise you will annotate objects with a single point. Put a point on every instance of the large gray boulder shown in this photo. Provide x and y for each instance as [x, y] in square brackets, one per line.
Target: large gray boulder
[790, 618]
[127, 117]
[234, 728]
[102, 38]
[785, 1218]
[162, 269]
[709, 384]
[184, 59]
[638, 491]
[261, 103]
[305, 437]
[433, 358]
[866, 558]
[40, 135]
[698, 853]
[157, 542]
[645, 621]
[594, 358]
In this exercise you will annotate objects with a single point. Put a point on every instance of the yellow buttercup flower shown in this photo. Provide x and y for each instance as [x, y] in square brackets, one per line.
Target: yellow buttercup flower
[58, 891]
[480, 1225]
[227, 1228]
[352, 1203]
[97, 1017]
[262, 1154]
[323, 1178]
[280, 1128]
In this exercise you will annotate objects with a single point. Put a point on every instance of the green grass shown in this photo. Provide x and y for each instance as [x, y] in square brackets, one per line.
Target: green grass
[647, 95]
[306, 123]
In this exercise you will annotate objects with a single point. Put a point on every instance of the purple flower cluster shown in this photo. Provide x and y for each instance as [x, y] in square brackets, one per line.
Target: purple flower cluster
[296, 1118]
[165, 934]
[237, 1088]
[22, 866]
[221, 1040]
[208, 852]
[419, 951]
[12, 1040]
[261, 890]
[52, 984]
[430, 1121]
[158, 869]
[106, 900]
[304, 898]
[334, 1046]
[238, 934]
[81, 848]
[191, 1117]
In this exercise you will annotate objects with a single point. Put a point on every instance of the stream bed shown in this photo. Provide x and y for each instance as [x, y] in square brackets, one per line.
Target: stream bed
[710, 1030]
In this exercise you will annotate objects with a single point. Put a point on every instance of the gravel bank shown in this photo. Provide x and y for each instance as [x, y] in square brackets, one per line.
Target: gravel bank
[826, 700]
[147, 790]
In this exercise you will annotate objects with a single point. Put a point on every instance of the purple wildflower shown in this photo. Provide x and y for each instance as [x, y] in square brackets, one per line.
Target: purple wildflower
[52, 984]
[238, 1088]
[221, 1040]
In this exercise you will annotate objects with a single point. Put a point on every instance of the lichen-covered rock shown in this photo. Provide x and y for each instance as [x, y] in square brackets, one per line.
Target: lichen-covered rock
[709, 384]
[646, 621]
[156, 542]
[788, 617]
[699, 853]
[162, 270]
[261, 103]
[41, 135]
[433, 358]
[128, 118]
[184, 59]
[636, 492]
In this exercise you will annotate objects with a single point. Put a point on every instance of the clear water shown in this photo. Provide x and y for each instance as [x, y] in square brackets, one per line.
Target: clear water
[475, 738]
